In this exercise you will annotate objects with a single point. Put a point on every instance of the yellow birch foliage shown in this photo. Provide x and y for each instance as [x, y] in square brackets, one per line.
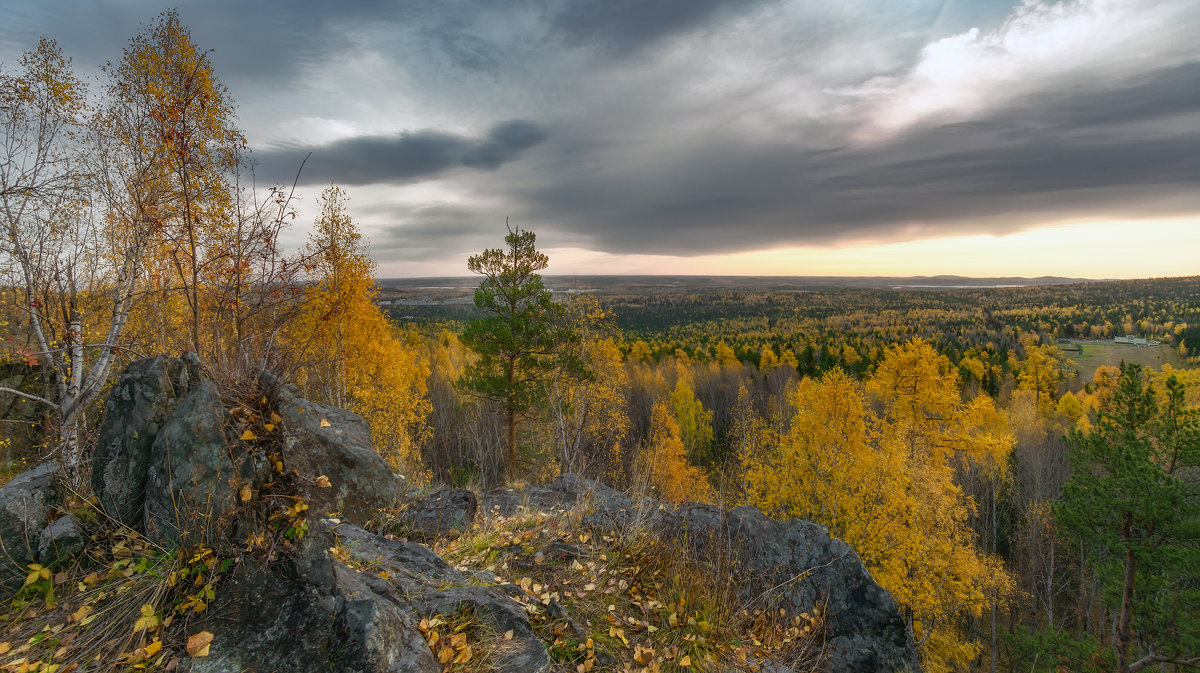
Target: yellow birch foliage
[826, 469]
[174, 124]
[693, 421]
[885, 485]
[351, 355]
[663, 463]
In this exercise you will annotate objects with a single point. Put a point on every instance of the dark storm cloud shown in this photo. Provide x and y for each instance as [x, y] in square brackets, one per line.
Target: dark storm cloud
[400, 158]
[629, 24]
[1050, 155]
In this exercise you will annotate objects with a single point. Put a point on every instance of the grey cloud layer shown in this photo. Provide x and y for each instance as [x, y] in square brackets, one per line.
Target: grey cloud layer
[1051, 157]
[687, 126]
[406, 157]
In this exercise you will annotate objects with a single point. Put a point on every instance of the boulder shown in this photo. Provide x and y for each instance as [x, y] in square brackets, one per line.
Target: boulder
[61, 540]
[791, 565]
[192, 477]
[566, 491]
[26, 504]
[797, 566]
[319, 440]
[446, 511]
[142, 400]
[168, 464]
[525, 653]
[314, 612]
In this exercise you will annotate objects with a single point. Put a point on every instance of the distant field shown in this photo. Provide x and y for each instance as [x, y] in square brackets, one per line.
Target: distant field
[1096, 355]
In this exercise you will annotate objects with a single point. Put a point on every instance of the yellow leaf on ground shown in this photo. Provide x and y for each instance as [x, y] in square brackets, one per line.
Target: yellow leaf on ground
[686, 661]
[5, 647]
[464, 656]
[153, 648]
[275, 418]
[76, 616]
[247, 435]
[197, 645]
[323, 482]
[325, 423]
[445, 655]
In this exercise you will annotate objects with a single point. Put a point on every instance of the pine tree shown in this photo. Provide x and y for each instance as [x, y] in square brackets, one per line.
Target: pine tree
[517, 340]
[1134, 495]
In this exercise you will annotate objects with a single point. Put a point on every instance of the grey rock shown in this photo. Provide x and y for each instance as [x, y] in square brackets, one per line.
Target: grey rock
[140, 404]
[791, 565]
[61, 540]
[381, 627]
[414, 566]
[796, 566]
[25, 506]
[567, 491]
[293, 615]
[269, 620]
[525, 653]
[361, 482]
[192, 479]
[447, 511]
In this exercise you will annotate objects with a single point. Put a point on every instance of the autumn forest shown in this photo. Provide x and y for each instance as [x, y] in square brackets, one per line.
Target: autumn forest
[1022, 483]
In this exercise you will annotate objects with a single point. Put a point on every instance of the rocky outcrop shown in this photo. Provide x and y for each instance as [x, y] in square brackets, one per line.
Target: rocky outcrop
[170, 464]
[791, 565]
[192, 476]
[139, 405]
[319, 440]
[349, 600]
[355, 614]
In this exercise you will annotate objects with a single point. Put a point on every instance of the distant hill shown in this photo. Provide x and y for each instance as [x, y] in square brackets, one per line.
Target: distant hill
[744, 282]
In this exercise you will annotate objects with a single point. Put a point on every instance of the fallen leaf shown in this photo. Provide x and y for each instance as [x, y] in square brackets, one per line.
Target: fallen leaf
[248, 436]
[246, 493]
[323, 482]
[464, 656]
[153, 648]
[686, 661]
[197, 645]
[325, 423]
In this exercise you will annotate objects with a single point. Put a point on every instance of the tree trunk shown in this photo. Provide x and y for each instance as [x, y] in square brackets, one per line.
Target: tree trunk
[995, 533]
[512, 442]
[1123, 635]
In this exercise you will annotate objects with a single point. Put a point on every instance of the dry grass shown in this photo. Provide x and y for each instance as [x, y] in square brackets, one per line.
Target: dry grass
[628, 602]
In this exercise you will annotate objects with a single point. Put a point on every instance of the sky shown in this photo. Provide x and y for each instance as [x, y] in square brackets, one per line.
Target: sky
[745, 137]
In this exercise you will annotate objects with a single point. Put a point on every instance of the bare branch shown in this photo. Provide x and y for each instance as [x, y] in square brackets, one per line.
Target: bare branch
[35, 398]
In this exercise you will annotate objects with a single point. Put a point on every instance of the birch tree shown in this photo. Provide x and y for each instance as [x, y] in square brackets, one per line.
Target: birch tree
[73, 275]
